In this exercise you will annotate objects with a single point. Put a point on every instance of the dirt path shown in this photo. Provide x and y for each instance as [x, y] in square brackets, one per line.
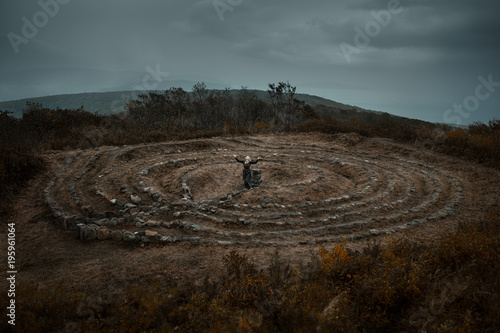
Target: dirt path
[316, 189]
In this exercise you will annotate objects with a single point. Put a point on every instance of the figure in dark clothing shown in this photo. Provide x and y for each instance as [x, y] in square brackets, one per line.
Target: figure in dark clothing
[247, 172]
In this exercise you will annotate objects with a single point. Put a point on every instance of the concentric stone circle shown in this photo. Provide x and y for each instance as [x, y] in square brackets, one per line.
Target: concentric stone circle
[192, 191]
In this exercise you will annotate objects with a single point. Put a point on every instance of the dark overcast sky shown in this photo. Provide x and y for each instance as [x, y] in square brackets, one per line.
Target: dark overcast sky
[418, 60]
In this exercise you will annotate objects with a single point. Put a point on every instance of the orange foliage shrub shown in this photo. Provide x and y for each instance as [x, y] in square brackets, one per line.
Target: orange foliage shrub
[480, 142]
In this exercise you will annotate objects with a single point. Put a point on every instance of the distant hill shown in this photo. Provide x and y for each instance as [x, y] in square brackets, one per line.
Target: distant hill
[102, 103]
[38, 82]
[114, 102]
[106, 103]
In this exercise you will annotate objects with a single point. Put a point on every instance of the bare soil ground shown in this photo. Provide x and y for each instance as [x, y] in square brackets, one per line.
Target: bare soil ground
[316, 189]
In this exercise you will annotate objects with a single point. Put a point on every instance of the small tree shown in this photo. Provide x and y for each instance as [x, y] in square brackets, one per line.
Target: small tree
[287, 109]
[181, 104]
[250, 109]
[199, 105]
[151, 111]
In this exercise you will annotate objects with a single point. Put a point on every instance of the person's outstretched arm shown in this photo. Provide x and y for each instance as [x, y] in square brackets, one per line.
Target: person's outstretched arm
[258, 159]
[236, 157]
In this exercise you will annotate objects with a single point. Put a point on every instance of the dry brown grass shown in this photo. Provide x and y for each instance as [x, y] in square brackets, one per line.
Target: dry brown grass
[449, 285]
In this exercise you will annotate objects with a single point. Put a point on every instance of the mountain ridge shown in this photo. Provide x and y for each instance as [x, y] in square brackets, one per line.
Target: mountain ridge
[114, 101]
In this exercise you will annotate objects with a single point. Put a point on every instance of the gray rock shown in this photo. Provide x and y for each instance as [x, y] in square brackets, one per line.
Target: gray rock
[56, 213]
[62, 222]
[116, 235]
[113, 222]
[135, 199]
[186, 192]
[80, 219]
[152, 223]
[266, 200]
[102, 222]
[179, 203]
[128, 236]
[80, 227]
[151, 234]
[89, 234]
[145, 208]
[103, 233]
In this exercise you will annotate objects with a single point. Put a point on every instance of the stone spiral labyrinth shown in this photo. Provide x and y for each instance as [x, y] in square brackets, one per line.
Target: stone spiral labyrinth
[192, 192]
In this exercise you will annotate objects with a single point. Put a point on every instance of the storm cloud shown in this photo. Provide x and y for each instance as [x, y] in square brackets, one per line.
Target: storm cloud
[418, 59]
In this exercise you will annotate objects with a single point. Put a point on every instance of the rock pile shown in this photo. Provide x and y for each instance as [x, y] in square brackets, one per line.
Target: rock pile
[256, 177]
